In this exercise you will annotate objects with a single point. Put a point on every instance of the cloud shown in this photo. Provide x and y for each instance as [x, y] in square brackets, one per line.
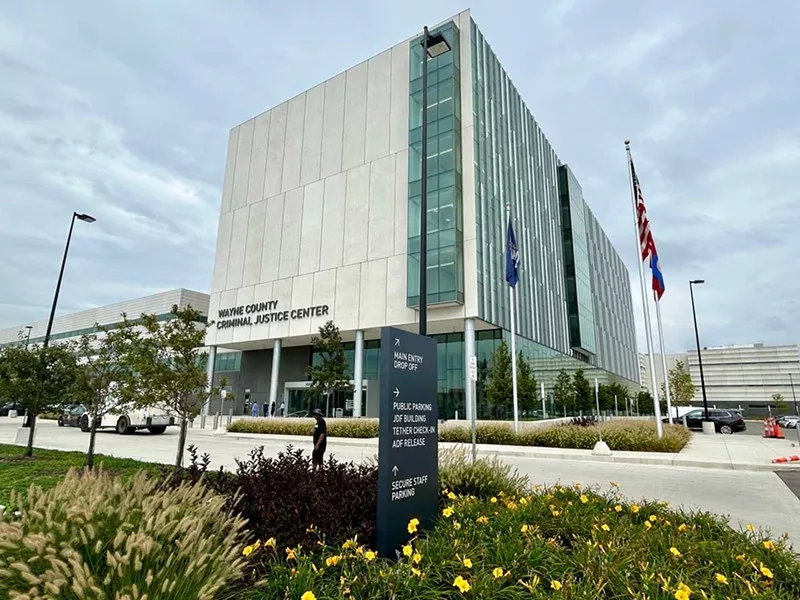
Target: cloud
[122, 110]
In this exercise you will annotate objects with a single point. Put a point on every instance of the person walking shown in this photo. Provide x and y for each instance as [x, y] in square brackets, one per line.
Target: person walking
[272, 410]
[320, 440]
[283, 408]
[255, 409]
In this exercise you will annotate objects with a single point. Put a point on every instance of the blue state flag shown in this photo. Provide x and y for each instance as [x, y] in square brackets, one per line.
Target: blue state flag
[512, 257]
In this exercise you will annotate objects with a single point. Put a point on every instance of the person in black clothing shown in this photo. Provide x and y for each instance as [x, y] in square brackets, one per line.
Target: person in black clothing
[320, 439]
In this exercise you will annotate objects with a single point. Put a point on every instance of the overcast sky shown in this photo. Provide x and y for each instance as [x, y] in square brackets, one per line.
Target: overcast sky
[122, 109]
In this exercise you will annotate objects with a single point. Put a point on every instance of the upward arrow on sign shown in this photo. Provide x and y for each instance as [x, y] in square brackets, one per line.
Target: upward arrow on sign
[394, 470]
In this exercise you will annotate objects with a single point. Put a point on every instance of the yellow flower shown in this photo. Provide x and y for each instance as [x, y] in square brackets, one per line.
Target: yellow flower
[248, 550]
[618, 508]
[675, 551]
[467, 563]
[448, 512]
[524, 529]
[369, 555]
[682, 527]
[417, 558]
[412, 525]
[308, 596]
[741, 558]
[497, 572]
[584, 498]
[721, 578]
[605, 527]
[634, 508]
[482, 520]
[493, 500]
[290, 555]
[523, 501]
[647, 525]
[750, 527]
[681, 595]
[270, 542]
[684, 588]
[556, 513]
[407, 550]
[332, 561]
[451, 495]
[769, 545]
[349, 544]
[462, 584]
[456, 525]
[614, 484]
[556, 584]
[765, 571]
[653, 518]
[416, 572]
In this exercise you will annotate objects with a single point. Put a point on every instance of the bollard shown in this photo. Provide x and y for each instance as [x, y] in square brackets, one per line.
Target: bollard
[685, 424]
[230, 418]
[216, 420]
[202, 421]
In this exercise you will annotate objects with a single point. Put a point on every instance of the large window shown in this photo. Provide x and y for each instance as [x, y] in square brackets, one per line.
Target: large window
[444, 276]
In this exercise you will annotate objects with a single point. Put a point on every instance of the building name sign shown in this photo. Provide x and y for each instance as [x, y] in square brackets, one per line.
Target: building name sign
[260, 313]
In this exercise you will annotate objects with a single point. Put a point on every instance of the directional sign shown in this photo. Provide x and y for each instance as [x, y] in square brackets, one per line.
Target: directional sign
[408, 451]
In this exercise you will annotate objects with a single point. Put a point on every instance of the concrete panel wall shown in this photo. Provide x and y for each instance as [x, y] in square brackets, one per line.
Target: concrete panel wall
[314, 208]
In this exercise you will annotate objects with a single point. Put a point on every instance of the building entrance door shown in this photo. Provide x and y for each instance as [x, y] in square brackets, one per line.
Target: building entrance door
[338, 405]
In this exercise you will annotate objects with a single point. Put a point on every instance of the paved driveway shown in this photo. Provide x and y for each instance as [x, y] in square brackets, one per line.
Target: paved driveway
[760, 498]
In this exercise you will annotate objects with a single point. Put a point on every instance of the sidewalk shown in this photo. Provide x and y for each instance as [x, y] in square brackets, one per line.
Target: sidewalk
[731, 452]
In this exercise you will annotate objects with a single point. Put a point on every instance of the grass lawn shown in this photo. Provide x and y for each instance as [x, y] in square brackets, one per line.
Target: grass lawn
[47, 467]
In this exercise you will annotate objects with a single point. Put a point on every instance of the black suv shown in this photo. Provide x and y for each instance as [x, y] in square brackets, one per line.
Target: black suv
[725, 421]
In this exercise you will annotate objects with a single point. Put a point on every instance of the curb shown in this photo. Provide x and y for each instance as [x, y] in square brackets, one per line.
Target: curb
[669, 460]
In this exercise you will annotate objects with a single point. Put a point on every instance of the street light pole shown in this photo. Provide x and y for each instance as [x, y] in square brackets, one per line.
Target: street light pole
[794, 397]
[86, 219]
[432, 46]
[699, 353]
[28, 338]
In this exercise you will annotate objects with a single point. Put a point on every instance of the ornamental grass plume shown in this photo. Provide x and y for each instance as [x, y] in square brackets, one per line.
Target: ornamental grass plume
[94, 536]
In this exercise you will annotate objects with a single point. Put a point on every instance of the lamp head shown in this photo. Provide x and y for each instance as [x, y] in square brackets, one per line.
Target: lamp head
[697, 281]
[437, 45]
[86, 218]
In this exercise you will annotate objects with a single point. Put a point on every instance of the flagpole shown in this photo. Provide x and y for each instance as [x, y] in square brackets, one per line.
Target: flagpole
[645, 305]
[512, 297]
[663, 358]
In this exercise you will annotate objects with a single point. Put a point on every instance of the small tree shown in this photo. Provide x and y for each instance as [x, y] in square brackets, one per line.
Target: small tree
[564, 391]
[38, 379]
[644, 402]
[168, 369]
[527, 392]
[103, 378]
[618, 391]
[584, 393]
[680, 385]
[499, 388]
[330, 373]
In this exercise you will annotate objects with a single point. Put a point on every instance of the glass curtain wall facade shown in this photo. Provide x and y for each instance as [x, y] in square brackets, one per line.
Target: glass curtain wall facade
[445, 270]
[613, 305]
[577, 275]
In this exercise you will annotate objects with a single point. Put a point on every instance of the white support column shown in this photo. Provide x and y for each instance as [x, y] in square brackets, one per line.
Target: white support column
[212, 359]
[273, 379]
[469, 350]
[358, 374]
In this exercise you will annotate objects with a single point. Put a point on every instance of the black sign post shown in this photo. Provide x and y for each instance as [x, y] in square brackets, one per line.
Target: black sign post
[408, 446]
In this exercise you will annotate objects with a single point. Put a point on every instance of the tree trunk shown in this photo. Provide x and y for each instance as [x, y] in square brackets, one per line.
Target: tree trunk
[181, 444]
[90, 452]
[29, 449]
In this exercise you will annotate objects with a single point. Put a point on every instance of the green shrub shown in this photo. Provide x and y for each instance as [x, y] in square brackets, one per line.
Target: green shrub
[93, 536]
[484, 478]
[623, 434]
[557, 543]
[352, 428]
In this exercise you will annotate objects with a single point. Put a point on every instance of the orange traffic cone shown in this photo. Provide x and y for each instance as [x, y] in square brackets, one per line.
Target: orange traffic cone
[767, 428]
[777, 430]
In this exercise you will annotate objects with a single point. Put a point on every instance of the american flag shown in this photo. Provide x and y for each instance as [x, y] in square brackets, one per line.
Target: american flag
[647, 244]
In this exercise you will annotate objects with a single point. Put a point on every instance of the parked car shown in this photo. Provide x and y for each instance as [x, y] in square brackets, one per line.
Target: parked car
[725, 421]
[5, 408]
[71, 415]
[789, 421]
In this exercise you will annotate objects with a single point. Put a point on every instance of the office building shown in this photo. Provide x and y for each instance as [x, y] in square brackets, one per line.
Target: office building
[742, 376]
[319, 221]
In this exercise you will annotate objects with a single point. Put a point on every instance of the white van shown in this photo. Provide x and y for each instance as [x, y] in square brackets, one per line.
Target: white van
[153, 419]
